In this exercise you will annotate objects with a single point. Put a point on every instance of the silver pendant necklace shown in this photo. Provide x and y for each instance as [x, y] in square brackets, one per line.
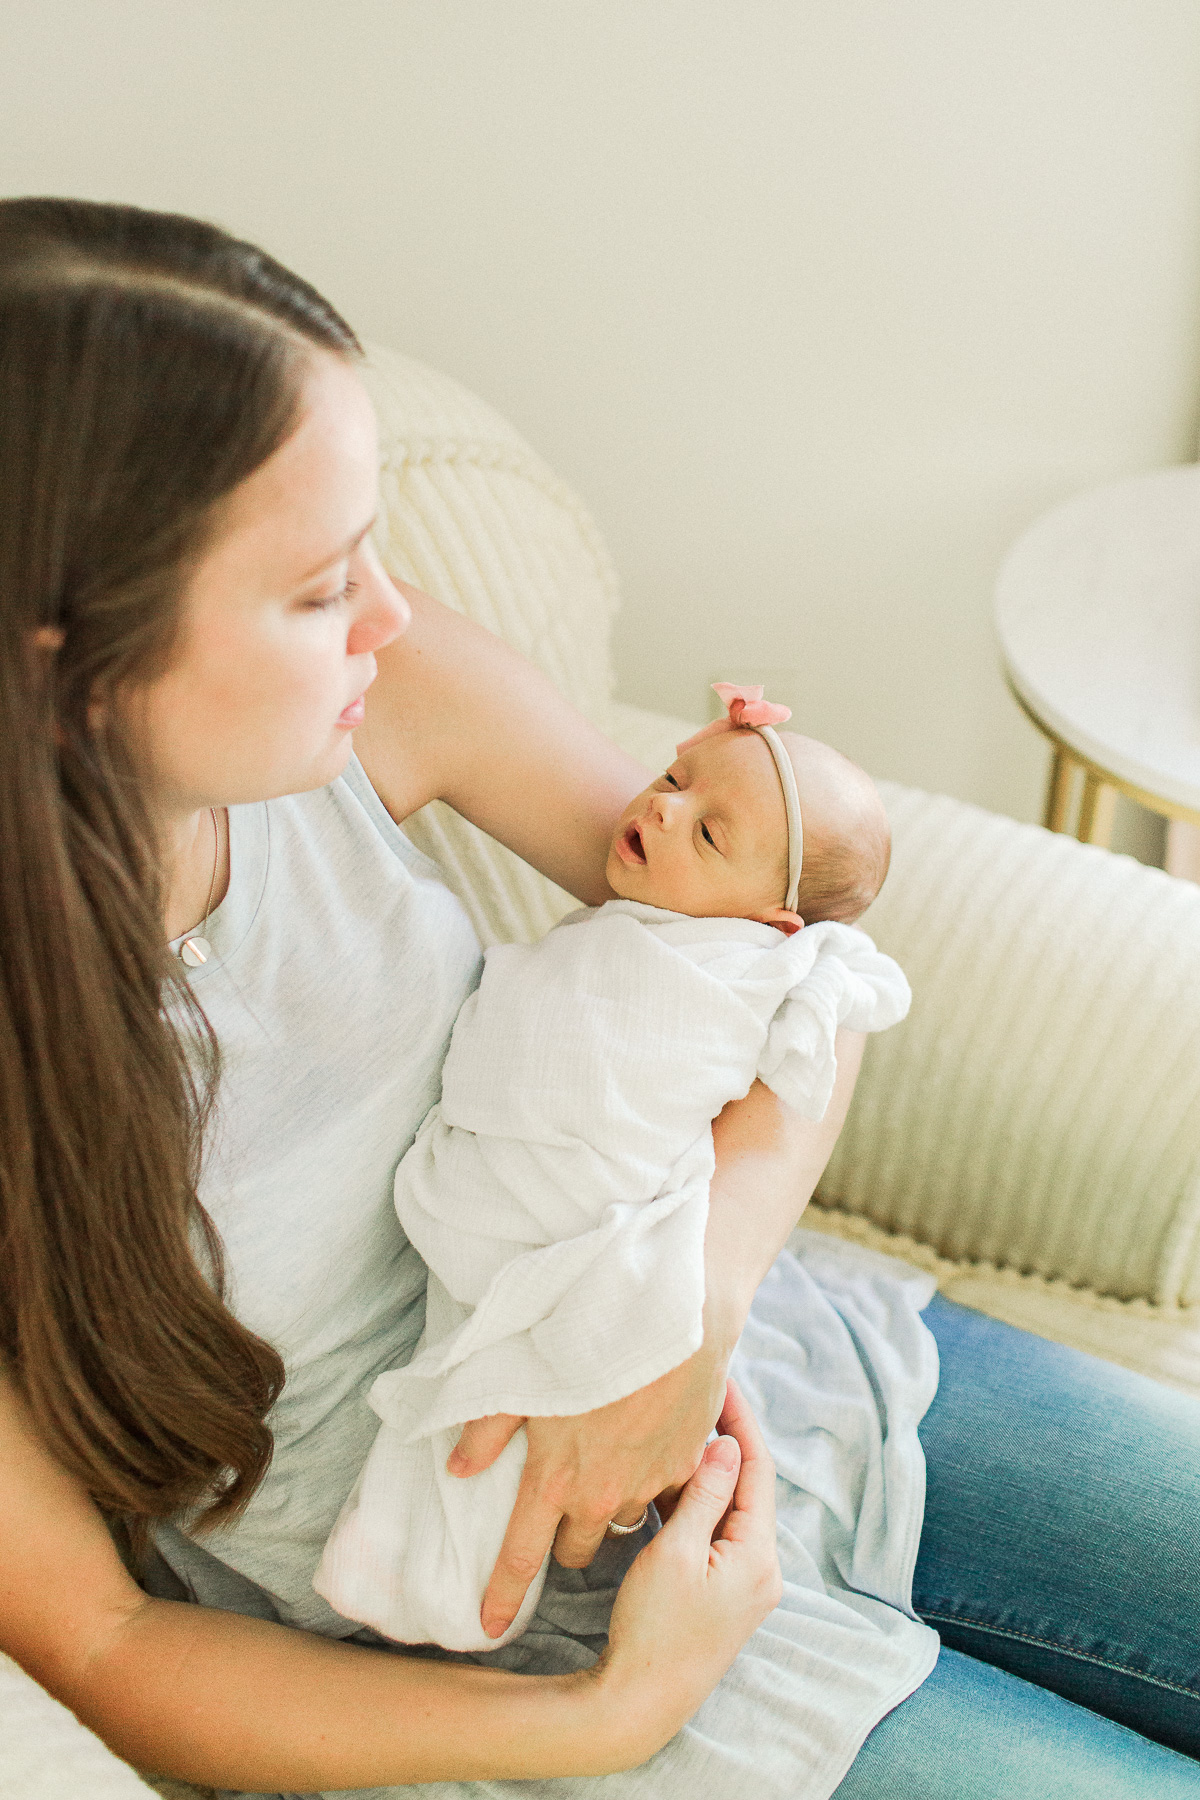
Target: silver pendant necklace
[195, 949]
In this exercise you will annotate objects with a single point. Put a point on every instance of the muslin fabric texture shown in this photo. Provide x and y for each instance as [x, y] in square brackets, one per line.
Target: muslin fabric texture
[558, 1193]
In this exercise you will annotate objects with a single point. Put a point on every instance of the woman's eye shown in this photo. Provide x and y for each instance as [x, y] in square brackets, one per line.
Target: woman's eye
[706, 834]
[327, 600]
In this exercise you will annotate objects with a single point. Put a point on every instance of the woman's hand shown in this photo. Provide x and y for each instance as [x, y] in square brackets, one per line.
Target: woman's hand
[698, 1591]
[582, 1471]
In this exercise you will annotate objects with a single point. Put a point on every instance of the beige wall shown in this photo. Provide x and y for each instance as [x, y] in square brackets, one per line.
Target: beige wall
[817, 302]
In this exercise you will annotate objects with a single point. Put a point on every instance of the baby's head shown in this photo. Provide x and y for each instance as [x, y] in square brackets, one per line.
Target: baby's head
[710, 837]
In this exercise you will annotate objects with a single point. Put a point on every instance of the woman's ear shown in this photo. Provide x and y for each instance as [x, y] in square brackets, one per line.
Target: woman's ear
[783, 920]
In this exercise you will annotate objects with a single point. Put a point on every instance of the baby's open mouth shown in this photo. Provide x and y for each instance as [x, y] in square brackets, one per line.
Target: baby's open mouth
[629, 845]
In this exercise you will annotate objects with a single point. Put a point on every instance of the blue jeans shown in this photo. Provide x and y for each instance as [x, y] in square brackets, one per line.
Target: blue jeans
[1060, 1563]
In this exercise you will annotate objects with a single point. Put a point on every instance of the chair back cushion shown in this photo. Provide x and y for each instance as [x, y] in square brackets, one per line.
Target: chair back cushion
[1040, 1108]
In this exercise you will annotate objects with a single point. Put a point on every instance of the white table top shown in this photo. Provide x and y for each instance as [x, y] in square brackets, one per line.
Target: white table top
[1098, 613]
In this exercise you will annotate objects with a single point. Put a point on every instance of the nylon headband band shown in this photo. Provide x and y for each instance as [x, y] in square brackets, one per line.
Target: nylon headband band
[791, 800]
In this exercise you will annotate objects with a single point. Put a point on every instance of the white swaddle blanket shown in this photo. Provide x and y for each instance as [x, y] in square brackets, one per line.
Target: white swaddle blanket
[559, 1193]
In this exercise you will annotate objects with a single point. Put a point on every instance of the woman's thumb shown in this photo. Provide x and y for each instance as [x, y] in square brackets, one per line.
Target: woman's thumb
[710, 1489]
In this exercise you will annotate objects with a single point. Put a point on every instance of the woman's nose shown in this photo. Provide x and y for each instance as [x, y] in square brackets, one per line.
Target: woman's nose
[384, 614]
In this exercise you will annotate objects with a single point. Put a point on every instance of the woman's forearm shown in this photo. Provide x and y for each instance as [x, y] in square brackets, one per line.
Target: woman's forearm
[769, 1161]
[214, 1697]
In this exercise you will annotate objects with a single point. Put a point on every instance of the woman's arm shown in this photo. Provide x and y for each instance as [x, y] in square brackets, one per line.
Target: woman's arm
[769, 1161]
[455, 715]
[214, 1697]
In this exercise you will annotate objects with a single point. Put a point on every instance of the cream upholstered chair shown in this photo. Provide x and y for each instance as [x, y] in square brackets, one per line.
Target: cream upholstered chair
[1031, 1133]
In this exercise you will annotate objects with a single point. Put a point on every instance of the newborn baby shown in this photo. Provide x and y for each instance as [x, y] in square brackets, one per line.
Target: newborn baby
[722, 834]
[559, 1189]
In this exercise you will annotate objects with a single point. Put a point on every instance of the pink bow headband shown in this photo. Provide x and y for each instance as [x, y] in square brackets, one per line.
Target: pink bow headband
[745, 707]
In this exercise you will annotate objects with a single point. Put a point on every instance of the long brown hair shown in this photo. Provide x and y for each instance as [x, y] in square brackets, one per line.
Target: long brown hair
[148, 364]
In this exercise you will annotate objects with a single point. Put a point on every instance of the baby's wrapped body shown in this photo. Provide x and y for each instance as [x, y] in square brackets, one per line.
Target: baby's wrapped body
[559, 1193]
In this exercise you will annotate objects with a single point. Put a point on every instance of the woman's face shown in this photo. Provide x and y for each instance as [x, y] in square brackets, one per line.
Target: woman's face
[281, 619]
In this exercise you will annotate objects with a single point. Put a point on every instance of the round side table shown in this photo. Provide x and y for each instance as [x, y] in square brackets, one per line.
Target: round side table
[1098, 615]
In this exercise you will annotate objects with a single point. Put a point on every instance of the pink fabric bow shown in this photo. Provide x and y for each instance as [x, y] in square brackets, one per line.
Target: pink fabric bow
[745, 706]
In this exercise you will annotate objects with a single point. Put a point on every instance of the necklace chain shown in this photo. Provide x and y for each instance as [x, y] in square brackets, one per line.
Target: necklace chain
[197, 941]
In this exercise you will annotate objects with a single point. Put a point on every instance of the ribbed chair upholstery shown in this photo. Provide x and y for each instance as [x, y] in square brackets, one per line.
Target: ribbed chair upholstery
[1031, 1133]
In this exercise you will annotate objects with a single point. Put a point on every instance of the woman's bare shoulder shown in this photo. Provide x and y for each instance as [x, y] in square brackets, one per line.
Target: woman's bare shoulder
[63, 1588]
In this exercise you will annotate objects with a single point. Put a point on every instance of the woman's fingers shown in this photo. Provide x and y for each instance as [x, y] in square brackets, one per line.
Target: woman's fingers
[568, 1494]
[526, 1544]
[699, 1590]
[580, 1535]
[481, 1442]
[737, 1419]
[705, 1499]
[754, 1497]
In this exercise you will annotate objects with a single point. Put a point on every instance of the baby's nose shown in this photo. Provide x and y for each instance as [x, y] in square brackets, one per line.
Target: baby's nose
[665, 806]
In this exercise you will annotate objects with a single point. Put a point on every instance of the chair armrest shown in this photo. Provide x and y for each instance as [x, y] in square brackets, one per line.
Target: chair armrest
[1040, 1108]
[46, 1754]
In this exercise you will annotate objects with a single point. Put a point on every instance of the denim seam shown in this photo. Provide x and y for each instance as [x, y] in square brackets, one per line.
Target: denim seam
[1023, 1637]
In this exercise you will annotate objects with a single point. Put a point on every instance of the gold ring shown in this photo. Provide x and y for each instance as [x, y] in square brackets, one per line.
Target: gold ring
[612, 1529]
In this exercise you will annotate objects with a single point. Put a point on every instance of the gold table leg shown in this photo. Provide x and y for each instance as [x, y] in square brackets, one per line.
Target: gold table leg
[1096, 811]
[1058, 790]
[1098, 804]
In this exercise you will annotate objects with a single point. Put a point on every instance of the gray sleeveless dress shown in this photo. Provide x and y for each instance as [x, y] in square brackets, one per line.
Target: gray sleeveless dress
[341, 962]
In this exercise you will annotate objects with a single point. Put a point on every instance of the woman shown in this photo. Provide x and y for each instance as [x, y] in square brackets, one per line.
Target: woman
[192, 615]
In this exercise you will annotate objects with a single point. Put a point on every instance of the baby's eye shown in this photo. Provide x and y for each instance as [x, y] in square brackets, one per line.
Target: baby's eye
[669, 777]
[706, 834]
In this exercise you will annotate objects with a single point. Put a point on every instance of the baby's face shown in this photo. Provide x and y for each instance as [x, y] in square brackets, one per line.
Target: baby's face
[709, 837]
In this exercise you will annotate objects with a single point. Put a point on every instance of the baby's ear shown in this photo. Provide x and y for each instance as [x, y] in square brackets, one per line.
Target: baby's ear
[783, 920]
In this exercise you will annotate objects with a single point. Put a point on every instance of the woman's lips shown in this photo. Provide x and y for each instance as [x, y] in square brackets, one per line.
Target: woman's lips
[629, 847]
[355, 713]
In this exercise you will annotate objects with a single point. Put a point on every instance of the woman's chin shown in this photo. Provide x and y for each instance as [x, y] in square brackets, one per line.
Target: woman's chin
[317, 771]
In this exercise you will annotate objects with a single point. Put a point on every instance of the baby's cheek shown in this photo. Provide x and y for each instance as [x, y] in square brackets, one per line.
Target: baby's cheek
[679, 890]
